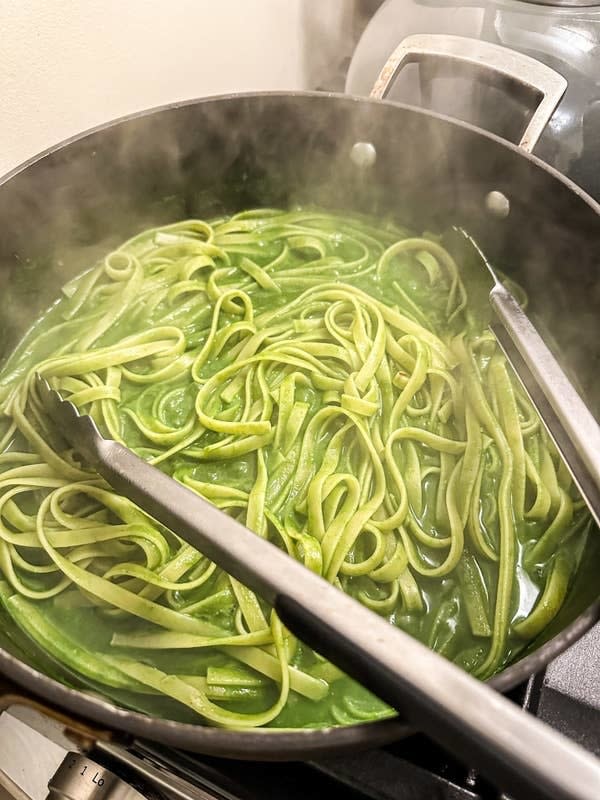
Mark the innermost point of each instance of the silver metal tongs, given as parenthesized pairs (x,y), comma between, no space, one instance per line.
(468,718)
(568,420)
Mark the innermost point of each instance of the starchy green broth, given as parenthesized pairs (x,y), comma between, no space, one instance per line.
(329,382)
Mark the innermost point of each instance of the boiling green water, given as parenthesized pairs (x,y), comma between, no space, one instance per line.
(429,490)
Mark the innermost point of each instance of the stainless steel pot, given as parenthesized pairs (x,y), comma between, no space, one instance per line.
(218,155)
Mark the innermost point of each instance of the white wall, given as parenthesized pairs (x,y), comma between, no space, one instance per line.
(66,65)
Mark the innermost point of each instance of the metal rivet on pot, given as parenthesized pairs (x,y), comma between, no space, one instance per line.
(497,204)
(363,154)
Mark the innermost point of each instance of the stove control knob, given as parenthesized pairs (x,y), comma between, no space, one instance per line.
(80,778)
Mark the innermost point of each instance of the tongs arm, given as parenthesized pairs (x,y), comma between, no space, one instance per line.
(468,718)
(567,418)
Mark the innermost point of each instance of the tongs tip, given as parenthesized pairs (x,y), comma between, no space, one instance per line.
(78,429)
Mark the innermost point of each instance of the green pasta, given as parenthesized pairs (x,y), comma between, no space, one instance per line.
(324,380)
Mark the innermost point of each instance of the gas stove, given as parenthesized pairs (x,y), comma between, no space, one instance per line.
(35,755)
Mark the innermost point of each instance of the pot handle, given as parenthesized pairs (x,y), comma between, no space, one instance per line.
(548,85)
